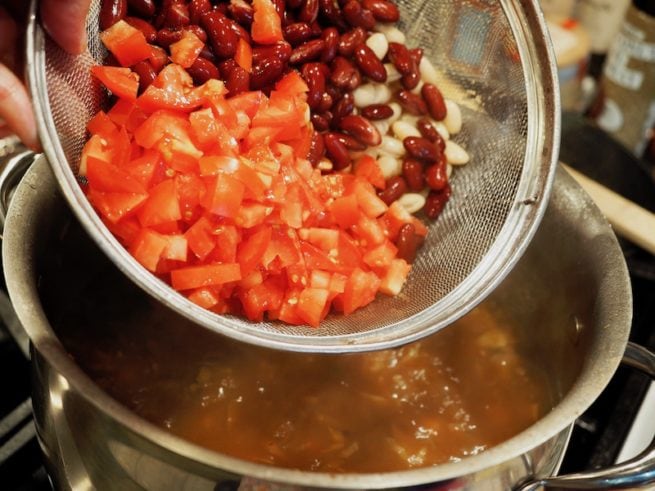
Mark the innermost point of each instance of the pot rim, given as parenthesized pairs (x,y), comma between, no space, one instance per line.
(31,197)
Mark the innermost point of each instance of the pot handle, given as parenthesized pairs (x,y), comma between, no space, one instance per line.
(636,472)
(15,159)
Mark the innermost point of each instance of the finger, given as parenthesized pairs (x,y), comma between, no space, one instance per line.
(64,20)
(16,108)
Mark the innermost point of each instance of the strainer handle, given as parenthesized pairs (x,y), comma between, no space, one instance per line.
(15,159)
(636,472)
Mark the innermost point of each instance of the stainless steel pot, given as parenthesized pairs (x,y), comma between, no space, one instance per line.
(571,292)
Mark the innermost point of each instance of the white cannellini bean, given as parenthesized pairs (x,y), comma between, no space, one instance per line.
(364,95)
(441,129)
(397,112)
(409,119)
(392,33)
(449,170)
(412,202)
(382,126)
(429,73)
(393,75)
(402,130)
(379,44)
(392,146)
(453,119)
(389,166)
(455,154)
(382,93)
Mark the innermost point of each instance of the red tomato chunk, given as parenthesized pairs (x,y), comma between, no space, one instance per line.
(216,197)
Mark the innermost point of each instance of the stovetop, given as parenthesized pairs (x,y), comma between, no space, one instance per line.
(599,434)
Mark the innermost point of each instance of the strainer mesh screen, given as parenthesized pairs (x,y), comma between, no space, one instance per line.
(475,51)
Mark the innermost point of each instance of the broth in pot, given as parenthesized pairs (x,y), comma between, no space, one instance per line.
(453,394)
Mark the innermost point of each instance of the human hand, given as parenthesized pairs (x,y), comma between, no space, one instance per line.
(64,21)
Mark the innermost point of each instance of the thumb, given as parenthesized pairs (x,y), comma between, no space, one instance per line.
(16,108)
(64,20)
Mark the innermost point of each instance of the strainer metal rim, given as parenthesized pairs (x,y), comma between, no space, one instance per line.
(543,106)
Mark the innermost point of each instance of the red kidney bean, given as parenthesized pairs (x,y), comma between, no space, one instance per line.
(395,188)
(412,103)
(427,129)
(369,63)
(177,15)
(198,31)
(111,11)
(146,74)
(330,38)
(408,242)
(435,102)
(297,33)
(320,122)
(421,149)
(375,112)
(361,129)
(309,11)
(241,32)
(416,54)
(436,201)
(307,51)
(221,34)
(336,151)
(314,75)
(168,36)
(294,4)
(326,102)
(197,8)
(242,12)
(357,16)
(436,176)
(266,72)
(351,143)
(399,55)
(316,149)
(332,12)
(203,70)
(350,39)
(410,80)
(144,8)
(343,107)
(334,92)
(383,10)
(280,7)
(237,80)
(207,54)
(344,74)
(413,174)
(281,50)
(146,28)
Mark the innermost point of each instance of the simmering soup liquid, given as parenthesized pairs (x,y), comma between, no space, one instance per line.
(451,395)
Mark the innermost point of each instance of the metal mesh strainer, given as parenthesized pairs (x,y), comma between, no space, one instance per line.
(495,61)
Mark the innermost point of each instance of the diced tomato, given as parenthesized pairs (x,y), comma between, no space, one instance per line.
(345,211)
(199,238)
(148,248)
(267,26)
(104,176)
(395,277)
(361,288)
(368,200)
(185,51)
(126,43)
(170,90)
(101,124)
(243,55)
(114,206)
(312,305)
(204,276)
(176,249)
(205,297)
(381,256)
(251,251)
(121,82)
(368,168)
(162,205)
(224,197)
(292,84)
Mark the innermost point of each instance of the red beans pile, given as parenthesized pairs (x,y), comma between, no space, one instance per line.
(326,41)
